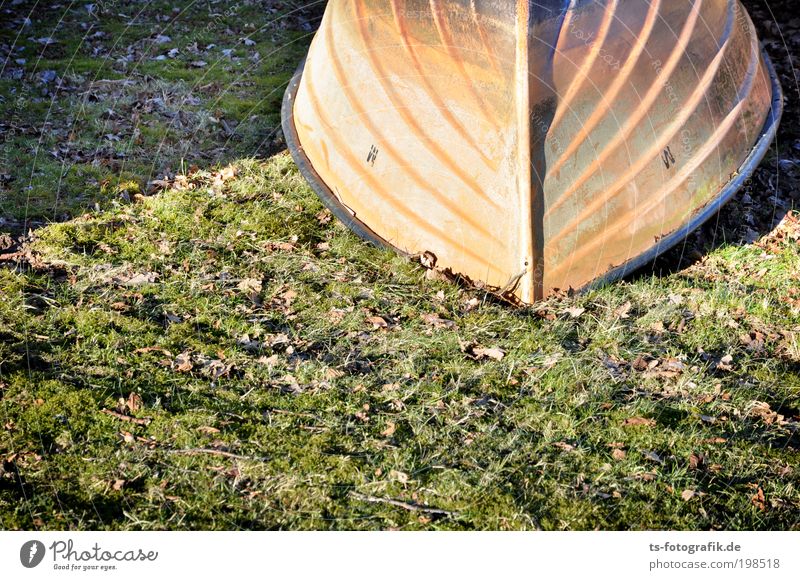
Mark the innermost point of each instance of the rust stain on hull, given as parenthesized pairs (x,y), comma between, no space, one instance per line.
(532,146)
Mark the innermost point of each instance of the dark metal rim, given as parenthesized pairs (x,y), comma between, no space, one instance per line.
(330,200)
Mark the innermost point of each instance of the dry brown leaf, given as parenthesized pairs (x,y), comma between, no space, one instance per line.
(437,322)
(640,363)
(248,285)
(428,259)
(623,311)
(398,476)
(653,456)
(138,279)
(183,362)
(471,304)
(269,361)
(725,363)
(764,412)
(153,349)
(639,421)
(227,173)
(575,312)
(492,353)
(696,461)
(688,494)
(377,321)
(288,297)
(134,402)
(759,500)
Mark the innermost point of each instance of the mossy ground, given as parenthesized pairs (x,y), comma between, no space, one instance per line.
(216,352)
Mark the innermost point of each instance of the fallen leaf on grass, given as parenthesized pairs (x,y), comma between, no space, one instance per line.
(473,351)
(269,361)
(676,299)
(153,349)
(714,441)
(138,279)
(398,476)
(754,341)
(227,173)
(215,368)
(324,217)
(427,259)
(619,454)
(763,411)
(492,353)
(725,363)
(759,500)
(471,304)
(281,246)
(575,312)
(623,311)
(437,322)
(653,456)
(248,344)
(688,494)
(697,461)
(642,363)
(669,367)
(639,421)
(248,285)
(183,362)
(134,402)
(377,321)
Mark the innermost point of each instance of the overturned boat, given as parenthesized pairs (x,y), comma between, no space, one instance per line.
(531,146)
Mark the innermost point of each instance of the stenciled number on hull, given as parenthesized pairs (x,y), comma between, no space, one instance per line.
(373,153)
(668,157)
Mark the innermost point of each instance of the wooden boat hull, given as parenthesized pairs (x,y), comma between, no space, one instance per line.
(531,146)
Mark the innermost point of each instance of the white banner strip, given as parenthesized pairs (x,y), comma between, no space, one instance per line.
(401,555)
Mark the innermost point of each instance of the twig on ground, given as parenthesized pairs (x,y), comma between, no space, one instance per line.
(203,450)
(402,504)
(122,417)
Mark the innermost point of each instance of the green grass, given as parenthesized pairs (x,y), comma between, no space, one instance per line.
(205,356)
